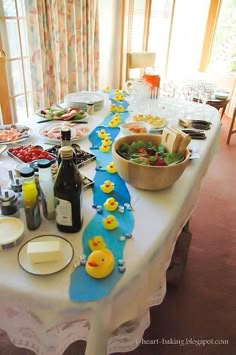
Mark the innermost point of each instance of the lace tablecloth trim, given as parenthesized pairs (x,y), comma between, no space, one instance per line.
(125,338)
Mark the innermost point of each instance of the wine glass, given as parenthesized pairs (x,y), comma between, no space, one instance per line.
(204,96)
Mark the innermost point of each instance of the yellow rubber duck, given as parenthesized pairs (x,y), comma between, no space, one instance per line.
(111,168)
(122,97)
(110,222)
(113,108)
(107,89)
(117,97)
(113,123)
(100,263)
(120,108)
(96,243)
(106,141)
(102,133)
(116,116)
(104,148)
(116,91)
(107,186)
(110,204)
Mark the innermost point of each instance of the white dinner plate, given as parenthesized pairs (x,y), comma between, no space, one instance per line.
(50,118)
(84,97)
(52,131)
(26,133)
(49,267)
(11,231)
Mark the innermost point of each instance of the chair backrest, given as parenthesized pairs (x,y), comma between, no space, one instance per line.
(139,60)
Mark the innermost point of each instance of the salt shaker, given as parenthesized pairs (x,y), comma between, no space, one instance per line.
(9,203)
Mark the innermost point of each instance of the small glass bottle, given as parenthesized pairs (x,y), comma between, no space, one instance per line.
(46,188)
(30,198)
(68,193)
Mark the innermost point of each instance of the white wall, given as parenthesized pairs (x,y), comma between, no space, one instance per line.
(110,33)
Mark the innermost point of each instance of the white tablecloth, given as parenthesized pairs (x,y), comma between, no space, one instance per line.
(37,313)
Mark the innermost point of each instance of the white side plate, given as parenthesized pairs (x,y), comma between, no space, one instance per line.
(50,267)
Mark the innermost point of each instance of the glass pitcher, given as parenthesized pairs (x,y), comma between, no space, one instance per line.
(152,77)
(137,89)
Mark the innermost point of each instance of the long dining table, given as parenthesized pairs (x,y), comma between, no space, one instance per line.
(36,311)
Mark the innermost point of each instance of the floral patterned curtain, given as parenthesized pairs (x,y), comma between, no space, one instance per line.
(64,48)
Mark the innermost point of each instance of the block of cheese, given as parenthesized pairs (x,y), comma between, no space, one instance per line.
(44,251)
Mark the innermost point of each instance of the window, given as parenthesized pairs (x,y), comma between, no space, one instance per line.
(175,32)
(223,54)
(13,39)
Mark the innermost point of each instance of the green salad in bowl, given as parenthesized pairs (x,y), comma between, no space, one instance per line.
(148,153)
(143,162)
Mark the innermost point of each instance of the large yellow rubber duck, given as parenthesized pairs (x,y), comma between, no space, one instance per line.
(100,263)
(110,204)
(96,243)
(107,186)
(110,168)
(110,222)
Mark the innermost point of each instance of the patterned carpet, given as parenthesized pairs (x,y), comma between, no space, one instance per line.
(202,309)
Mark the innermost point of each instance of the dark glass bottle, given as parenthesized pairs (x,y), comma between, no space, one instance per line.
(68,189)
(65,136)
(66,142)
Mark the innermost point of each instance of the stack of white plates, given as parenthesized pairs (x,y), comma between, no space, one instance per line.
(221,94)
(83,98)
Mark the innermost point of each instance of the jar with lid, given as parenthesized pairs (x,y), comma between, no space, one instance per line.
(30,198)
(46,188)
(68,193)
(9,203)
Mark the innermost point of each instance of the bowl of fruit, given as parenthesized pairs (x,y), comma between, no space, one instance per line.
(143,162)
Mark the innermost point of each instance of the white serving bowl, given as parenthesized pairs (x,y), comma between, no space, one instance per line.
(130,128)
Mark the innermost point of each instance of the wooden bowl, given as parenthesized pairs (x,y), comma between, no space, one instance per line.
(147,177)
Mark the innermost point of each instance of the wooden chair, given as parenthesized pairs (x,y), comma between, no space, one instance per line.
(231,129)
(139,60)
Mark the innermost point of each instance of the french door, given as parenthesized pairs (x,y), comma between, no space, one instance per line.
(16,92)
